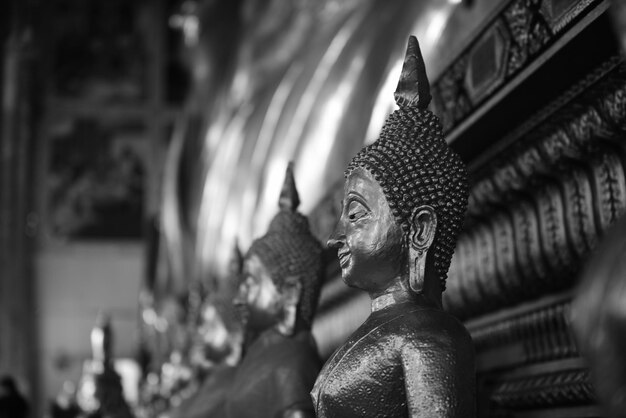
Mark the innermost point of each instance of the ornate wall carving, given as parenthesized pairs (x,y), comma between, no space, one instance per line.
(539,209)
(528,360)
(508,44)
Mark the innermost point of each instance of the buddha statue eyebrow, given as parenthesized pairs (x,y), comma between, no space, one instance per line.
(356,196)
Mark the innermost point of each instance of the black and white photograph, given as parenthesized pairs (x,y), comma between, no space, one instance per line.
(313,209)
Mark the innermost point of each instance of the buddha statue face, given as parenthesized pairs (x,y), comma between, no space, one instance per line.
(405,198)
(258,300)
(282,271)
(369,242)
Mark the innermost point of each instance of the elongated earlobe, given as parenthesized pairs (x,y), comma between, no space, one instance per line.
(423,228)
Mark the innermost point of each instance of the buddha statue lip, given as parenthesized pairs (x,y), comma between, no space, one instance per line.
(344,258)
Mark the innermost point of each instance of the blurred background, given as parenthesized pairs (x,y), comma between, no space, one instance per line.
(143,140)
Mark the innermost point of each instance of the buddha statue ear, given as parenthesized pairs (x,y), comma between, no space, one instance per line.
(421,236)
(291,291)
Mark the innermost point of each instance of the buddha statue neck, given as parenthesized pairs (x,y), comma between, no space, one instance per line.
(385,300)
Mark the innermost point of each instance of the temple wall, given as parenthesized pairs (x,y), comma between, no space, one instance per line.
(75,282)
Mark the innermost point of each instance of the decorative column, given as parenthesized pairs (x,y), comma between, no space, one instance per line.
(18,353)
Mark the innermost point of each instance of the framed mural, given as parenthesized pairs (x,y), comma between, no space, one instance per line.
(98,50)
(96,179)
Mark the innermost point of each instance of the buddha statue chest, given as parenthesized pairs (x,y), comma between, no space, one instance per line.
(275,376)
(399,348)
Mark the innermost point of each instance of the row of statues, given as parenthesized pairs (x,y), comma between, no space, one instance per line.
(403,208)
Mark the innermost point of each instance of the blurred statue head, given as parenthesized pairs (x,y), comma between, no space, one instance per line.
(282,270)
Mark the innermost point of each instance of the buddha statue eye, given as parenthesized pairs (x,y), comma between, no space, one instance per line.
(356,211)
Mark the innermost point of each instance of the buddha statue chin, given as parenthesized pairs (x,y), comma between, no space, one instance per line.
(277,300)
(403,206)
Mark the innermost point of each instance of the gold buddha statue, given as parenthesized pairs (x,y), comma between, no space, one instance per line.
(277,300)
(404,202)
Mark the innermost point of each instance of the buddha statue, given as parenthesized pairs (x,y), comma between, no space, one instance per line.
(217,348)
(404,201)
(277,300)
(100,391)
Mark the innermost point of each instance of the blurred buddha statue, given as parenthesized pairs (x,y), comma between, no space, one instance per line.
(277,300)
(598,313)
(404,202)
(216,350)
(175,372)
(100,392)
(65,405)
(599,319)
(219,334)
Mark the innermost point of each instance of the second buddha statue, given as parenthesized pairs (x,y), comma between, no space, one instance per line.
(278,297)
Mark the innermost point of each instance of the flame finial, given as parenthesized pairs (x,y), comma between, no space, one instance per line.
(289,198)
(413,88)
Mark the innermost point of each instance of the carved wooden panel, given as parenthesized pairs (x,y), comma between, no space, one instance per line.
(538,210)
(508,44)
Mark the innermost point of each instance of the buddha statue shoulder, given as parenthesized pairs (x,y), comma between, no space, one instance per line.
(404,202)
(277,301)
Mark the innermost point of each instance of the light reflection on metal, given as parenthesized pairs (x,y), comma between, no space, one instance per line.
(187,21)
(263,143)
(436,25)
(286,145)
(170,217)
(333,115)
(312,95)
(383,105)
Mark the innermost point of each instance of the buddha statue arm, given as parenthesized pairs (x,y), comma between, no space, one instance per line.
(431,382)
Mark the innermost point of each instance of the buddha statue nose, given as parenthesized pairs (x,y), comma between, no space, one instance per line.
(337,238)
